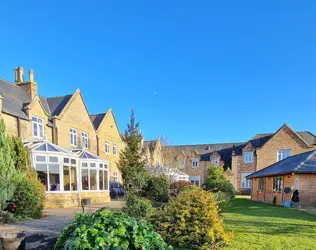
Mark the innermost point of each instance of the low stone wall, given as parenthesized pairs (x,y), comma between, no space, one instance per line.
(65,200)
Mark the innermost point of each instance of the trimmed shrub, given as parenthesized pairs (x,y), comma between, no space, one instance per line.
(157,189)
(138,207)
(179,185)
(109,230)
(222,199)
(220,186)
(191,220)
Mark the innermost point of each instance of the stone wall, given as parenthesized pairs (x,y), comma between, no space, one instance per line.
(108,130)
(76,116)
(65,200)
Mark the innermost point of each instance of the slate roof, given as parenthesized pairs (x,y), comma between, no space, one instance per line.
(201,148)
(97,119)
(301,163)
(57,104)
(14,99)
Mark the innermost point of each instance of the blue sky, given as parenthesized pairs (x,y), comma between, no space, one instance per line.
(195,71)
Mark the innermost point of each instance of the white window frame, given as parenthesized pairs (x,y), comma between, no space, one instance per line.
(283,154)
(195,162)
(107,147)
(85,140)
(115,176)
(244,182)
(73,137)
(114,148)
(215,161)
(97,168)
(195,180)
(248,157)
(39,125)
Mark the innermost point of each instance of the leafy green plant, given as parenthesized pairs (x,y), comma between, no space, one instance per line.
(216,182)
(222,199)
(29,196)
(157,188)
(138,207)
(109,230)
(191,220)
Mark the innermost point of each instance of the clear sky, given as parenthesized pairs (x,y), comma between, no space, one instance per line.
(195,71)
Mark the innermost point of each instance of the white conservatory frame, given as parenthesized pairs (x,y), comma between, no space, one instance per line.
(44,148)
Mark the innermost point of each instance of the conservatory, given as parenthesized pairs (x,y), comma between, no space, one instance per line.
(69,175)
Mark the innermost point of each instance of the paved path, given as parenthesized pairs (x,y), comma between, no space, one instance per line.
(42,233)
(309,209)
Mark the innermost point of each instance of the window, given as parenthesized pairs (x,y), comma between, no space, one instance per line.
(277,184)
(115,176)
(248,158)
(215,161)
(195,163)
(261,185)
(107,147)
(245,183)
(38,127)
(70,174)
(283,153)
(84,139)
(195,180)
(48,171)
(103,177)
(73,137)
(94,176)
(114,148)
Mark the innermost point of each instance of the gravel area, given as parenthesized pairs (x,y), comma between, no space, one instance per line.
(42,233)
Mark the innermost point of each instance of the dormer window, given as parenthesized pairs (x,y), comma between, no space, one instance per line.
(215,161)
(248,157)
(195,163)
(38,127)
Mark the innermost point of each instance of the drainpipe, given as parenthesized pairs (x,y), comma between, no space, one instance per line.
(19,126)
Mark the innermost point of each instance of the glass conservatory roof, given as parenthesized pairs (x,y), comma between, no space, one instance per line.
(45,146)
(83,154)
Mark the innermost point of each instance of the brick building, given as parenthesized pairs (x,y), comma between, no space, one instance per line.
(296,172)
(261,151)
(74,153)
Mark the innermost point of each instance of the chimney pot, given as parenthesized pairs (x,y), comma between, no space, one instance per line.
(19,74)
(31,75)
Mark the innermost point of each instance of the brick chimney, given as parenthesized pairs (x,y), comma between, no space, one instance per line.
(28,86)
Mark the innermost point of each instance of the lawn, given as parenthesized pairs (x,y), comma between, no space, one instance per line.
(261,226)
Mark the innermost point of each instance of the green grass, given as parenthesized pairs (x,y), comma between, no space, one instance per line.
(262,226)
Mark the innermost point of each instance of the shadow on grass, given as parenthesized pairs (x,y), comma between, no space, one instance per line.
(244,206)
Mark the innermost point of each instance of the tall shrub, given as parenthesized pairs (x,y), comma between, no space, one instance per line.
(131,163)
(191,221)
(157,188)
(29,191)
(7,169)
(216,182)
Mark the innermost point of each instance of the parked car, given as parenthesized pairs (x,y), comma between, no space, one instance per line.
(116,190)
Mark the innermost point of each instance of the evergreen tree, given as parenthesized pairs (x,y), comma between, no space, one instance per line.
(7,168)
(131,163)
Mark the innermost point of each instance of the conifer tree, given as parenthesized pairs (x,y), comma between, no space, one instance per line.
(131,163)
(7,168)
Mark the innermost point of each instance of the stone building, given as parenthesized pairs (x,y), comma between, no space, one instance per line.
(74,153)
(261,151)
